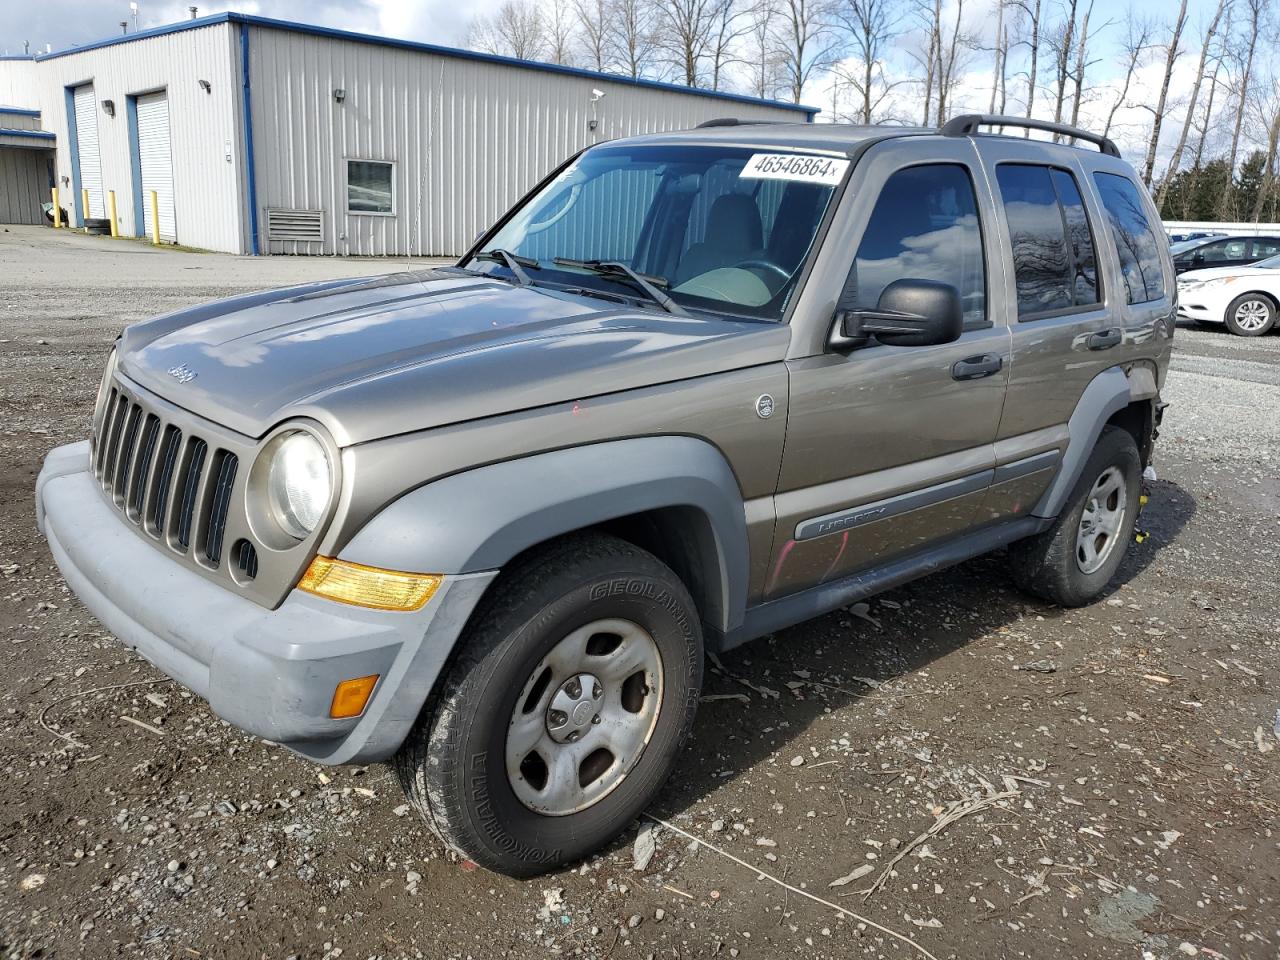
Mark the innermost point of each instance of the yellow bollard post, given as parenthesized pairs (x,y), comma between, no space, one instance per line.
(111,212)
(57,211)
(84,206)
(155,218)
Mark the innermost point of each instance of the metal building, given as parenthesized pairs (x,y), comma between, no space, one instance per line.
(264,136)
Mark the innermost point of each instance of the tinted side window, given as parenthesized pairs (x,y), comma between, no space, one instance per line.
(1265,247)
(1053,259)
(925,227)
(1041,264)
(1135,241)
(1079,238)
(1224,251)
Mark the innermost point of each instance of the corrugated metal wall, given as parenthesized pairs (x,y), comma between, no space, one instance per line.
(24,178)
(468,137)
(208,197)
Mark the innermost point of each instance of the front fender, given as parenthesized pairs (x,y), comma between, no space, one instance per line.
(480,519)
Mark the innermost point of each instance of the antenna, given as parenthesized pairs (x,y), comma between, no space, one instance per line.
(133,7)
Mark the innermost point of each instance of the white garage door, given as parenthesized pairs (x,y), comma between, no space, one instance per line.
(87,150)
(156,162)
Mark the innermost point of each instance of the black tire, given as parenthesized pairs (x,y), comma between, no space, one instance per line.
(1260,303)
(1048,565)
(453,764)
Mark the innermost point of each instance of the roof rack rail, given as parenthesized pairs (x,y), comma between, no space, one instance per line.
(966,125)
(734,122)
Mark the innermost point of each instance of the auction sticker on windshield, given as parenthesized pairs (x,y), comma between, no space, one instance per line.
(795,166)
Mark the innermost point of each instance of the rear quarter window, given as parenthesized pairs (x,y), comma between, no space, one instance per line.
(1135,241)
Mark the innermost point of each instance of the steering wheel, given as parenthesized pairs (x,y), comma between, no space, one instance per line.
(768,265)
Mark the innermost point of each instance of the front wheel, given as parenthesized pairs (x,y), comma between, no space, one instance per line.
(1072,562)
(1250,315)
(564,710)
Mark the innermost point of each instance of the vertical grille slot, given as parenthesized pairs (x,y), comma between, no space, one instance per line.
(141,474)
(189,482)
(112,421)
(225,464)
(124,457)
(170,446)
(246,558)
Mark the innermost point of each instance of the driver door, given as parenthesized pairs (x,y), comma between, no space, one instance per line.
(890,449)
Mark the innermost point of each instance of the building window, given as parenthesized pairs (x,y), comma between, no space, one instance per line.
(371,187)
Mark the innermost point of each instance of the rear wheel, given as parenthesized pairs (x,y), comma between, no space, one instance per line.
(1072,562)
(1250,315)
(564,710)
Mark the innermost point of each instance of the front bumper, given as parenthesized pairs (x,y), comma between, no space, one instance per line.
(1192,307)
(271,673)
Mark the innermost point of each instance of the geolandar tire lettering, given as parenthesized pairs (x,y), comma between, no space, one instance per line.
(564,709)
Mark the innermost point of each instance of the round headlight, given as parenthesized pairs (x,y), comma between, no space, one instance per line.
(299,483)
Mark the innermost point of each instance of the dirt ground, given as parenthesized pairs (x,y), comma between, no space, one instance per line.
(1026,781)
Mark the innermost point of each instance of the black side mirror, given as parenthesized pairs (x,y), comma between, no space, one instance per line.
(1197,258)
(910,313)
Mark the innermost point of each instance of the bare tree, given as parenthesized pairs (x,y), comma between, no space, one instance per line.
(561,34)
(728,26)
(1061,41)
(1270,114)
(1176,160)
(872,26)
(633,38)
(929,12)
(683,35)
(1001,56)
(804,42)
(760,52)
(1032,10)
(1172,50)
(515,29)
(1082,63)
(1257,14)
(595,19)
(1136,45)
(951,61)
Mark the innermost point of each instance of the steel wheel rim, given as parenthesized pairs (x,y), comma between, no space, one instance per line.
(1102,520)
(1252,315)
(584,717)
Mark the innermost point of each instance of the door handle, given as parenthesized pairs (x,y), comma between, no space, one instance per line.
(975,368)
(1106,339)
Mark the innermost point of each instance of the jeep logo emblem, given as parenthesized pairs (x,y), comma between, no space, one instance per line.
(764,406)
(182,373)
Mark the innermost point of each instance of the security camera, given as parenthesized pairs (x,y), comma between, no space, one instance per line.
(597,94)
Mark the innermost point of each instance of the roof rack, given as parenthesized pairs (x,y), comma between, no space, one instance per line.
(734,122)
(966,125)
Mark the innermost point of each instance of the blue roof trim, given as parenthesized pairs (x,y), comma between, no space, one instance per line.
(30,134)
(19,112)
(18,56)
(354,37)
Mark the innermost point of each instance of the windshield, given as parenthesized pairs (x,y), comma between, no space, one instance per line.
(717,229)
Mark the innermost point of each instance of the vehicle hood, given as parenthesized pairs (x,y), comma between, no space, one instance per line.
(1214,273)
(382,356)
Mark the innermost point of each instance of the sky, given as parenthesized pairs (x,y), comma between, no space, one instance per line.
(64,23)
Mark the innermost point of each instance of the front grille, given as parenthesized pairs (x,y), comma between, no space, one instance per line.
(172,484)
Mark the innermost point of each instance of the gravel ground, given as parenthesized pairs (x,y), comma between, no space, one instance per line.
(1009,779)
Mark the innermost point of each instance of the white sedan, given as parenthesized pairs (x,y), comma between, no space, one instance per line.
(1246,299)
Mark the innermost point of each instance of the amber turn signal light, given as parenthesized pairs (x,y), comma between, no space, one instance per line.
(372,587)
(350,697)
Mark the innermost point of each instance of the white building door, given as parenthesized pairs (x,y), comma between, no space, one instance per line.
(90,162)
(156,162)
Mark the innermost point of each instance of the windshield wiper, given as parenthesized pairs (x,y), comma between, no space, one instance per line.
(613,269)
(512,261)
